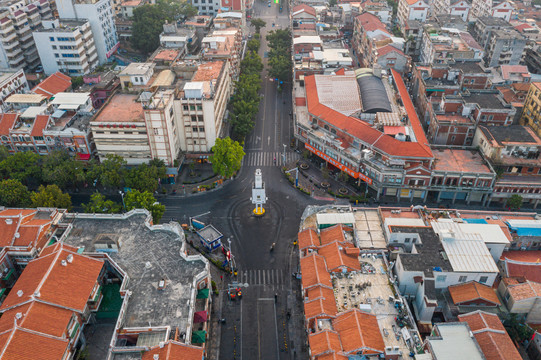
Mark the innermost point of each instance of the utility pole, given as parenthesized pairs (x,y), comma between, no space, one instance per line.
(284,153)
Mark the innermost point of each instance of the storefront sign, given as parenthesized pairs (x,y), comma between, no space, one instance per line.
(355,174)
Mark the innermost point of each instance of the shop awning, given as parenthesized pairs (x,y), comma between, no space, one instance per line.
(199,337)
(203,294)
(200,317)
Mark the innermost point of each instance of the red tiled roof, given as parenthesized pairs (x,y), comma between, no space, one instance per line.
(40,123)
(174,350)
(39,317)
(19,228)
(53,84)
(491,336)
(308,238)
(523,26)
(371,22)
(21,344)
(363,131)
(332,234)
(413,2)
(507,70)
(384,50)
(6,122)
(336,257)
(359,332)
(471,291)
(525,290)
(320,302)
(324,342)
(314,271)
(525,264)
(307,9)
(46,279)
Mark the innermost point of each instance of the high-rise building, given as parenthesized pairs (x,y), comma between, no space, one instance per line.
(66,46)
(100,15)
(17,21)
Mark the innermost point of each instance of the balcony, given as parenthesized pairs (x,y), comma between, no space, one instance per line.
(9,37)
(14,52)
(11,45)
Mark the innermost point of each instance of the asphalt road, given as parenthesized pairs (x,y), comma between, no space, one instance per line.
(257,326)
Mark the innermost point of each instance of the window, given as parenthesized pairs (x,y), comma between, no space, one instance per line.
(156,131)
(201,129)
(38,138)
(194,129)
(54,47)
(199,107)
(407,240)
(56,55)
(441,278)
(51,38)
(483,279)
(462,279)
(185,107)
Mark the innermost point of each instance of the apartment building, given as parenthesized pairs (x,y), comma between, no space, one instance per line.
(119,128)
(412,10)
(201,107)
(493,8)
(374,44)
(208,7)
(136,74)
(224,44)
(379,8)
(100,15)
(17,21)
(505,47)
(161,124)
(66,46)
(514,152)
(531,114)
(459,8)
(12,83)
(443,45)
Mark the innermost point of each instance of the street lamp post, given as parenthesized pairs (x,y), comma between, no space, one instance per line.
(122,195)
(284,154)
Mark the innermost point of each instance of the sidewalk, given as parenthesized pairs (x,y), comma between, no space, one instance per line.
(194,179)
(314,182)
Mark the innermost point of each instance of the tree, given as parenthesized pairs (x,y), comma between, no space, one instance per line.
(226,157)
(332,3)
(110,172)
(145,176)
(253,45)
(514,202)
(279,42)
(76,82)
(50,196)
(21,166)
(135,199)
(258,24)
(61,169)
(4,153)
(98,204)
(148,22)
(14,194)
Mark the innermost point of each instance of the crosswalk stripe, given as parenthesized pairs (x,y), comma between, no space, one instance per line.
(268,158)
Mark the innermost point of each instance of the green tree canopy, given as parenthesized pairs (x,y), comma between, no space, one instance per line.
(514,202)
(135,199)
(4,153)
(145,176)
(21,166)
(51,196)
(148,22)
(258,24)
(279,42)
(226,157)
(253,45)
(110,172)
(63,170)
(99,204)
(14,194)
(77,81)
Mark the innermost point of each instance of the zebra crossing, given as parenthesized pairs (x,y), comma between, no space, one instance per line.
(270,277)
(267,158)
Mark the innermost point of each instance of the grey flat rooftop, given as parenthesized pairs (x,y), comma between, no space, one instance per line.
(428,254)
(468,67)
(493,21)
(485,100)
(147,256)
(455,342)
(209,233)
(507,134)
